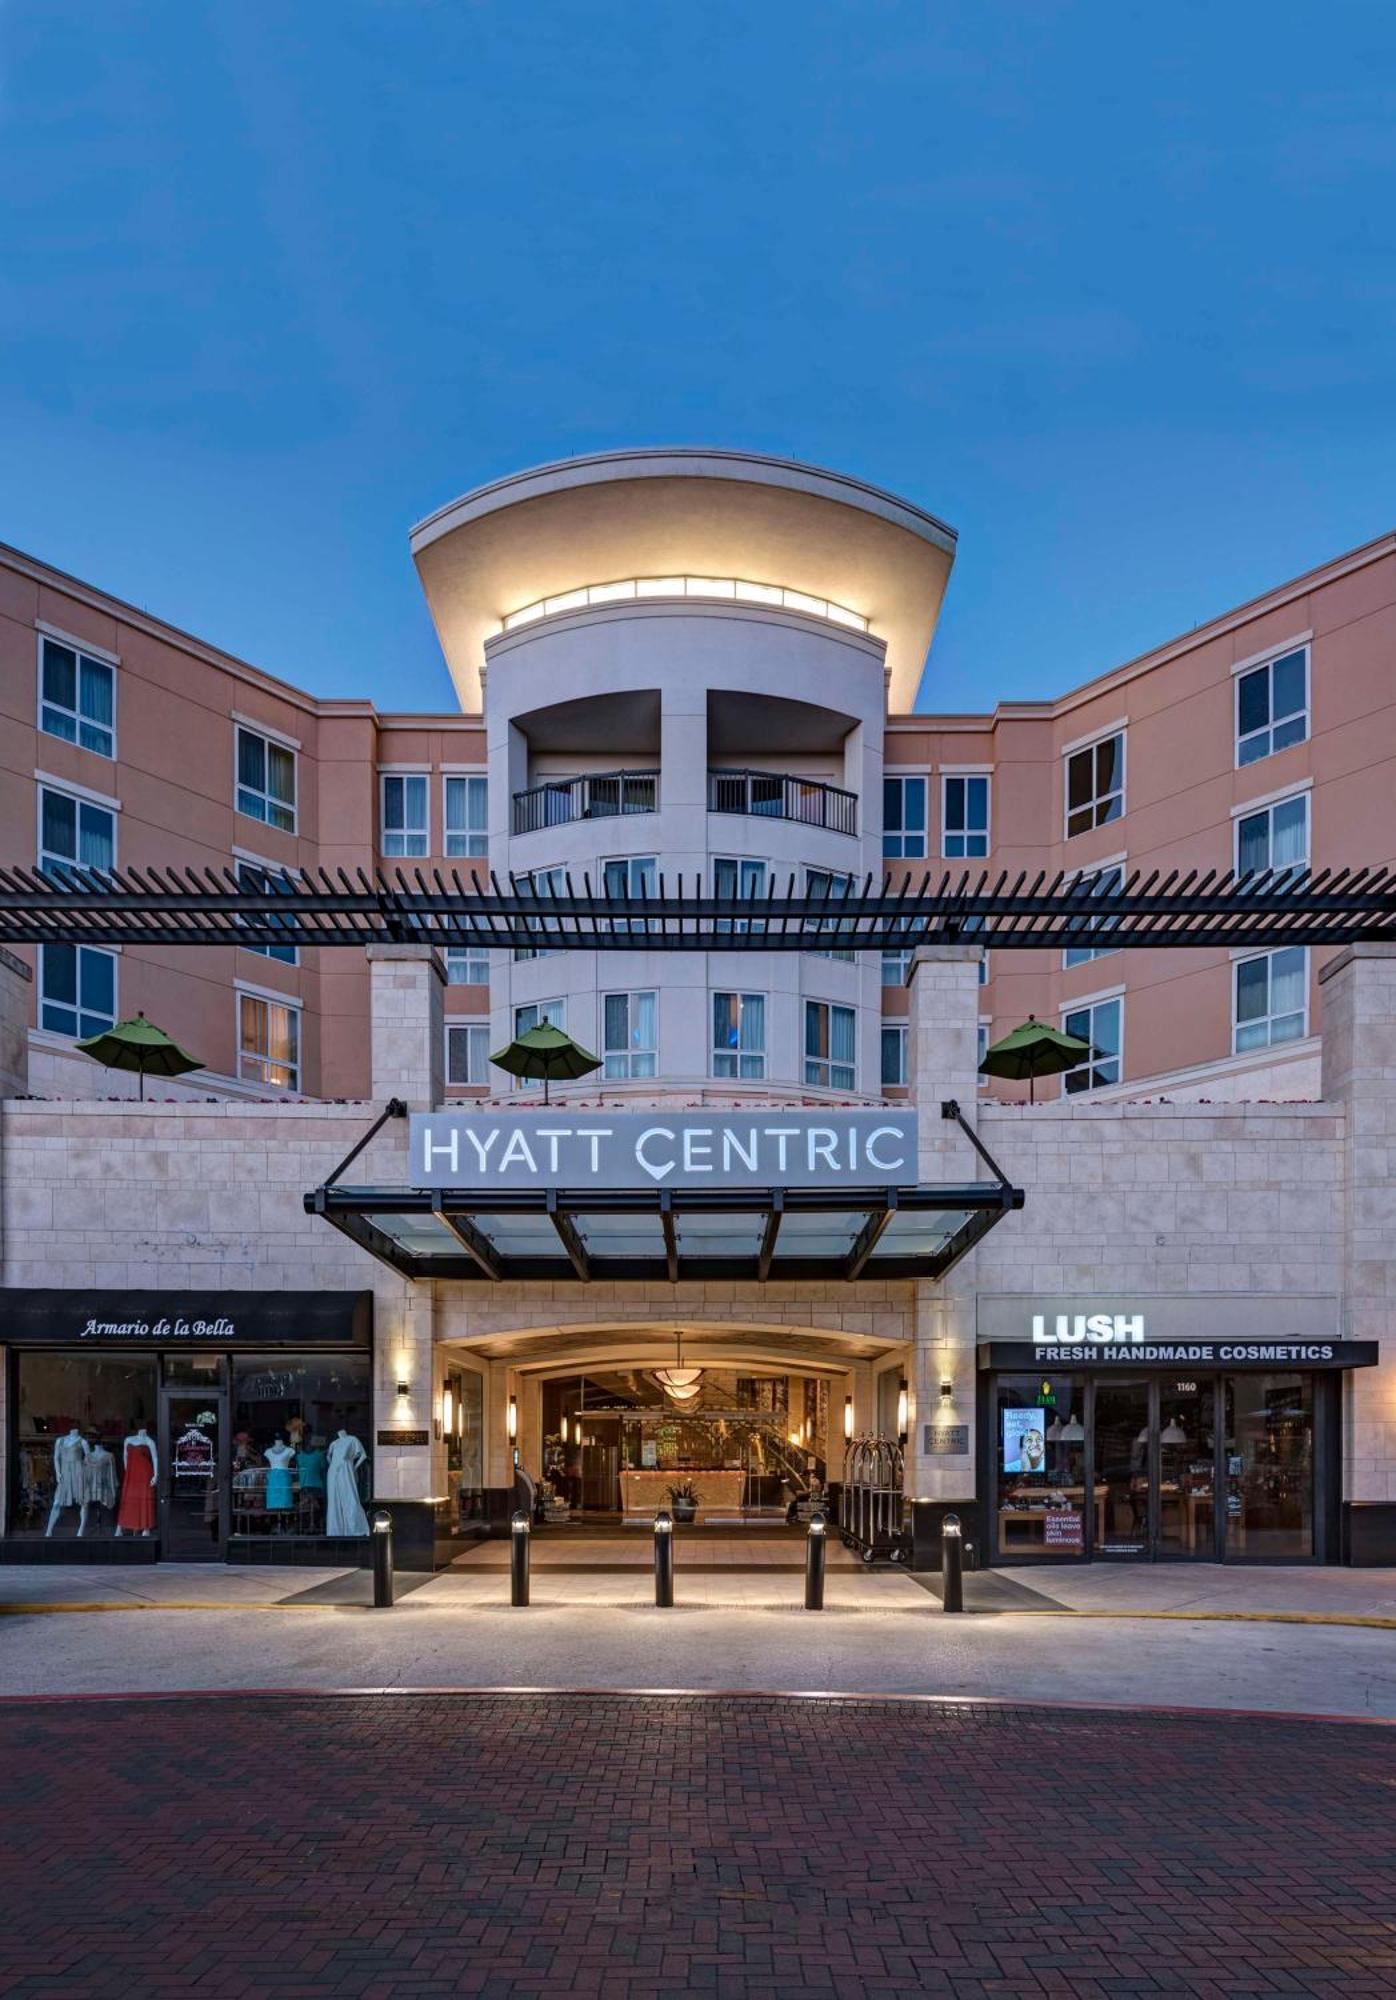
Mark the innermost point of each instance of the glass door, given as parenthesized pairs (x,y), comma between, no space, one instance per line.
(193,1474)
(1187,1464)
(1123,1469)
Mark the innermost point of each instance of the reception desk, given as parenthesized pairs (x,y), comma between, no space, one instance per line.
(642,1494)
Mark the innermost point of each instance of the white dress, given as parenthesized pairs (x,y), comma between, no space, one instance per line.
(69,1459)
(99,1477)
(344,1515)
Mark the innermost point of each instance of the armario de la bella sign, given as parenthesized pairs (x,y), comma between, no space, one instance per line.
(629,1149)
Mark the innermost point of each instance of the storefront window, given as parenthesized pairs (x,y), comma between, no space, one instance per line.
(291,1471)
(85,1452)
(1187,1521)
(1040,1440)
(1269,1466)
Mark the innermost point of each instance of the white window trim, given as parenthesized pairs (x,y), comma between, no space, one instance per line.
(1120,861)
(77,791)
(80,795)
(1093,999)
(47,631)
(457,770)
(449,832)
(103,658)
(292,831)
(549,1000)
(1121,730)
(1243,956)
(741,993)
(899,1024)
(1097,1000)
(1268,806)
(266,729)
(59,1038)
(282,999)
(1272,652)
(1120,727)
(926,771)
(243,857)
(1272,798)
(449,952)
(1263,660)
(988,778)
(808,1000)
(461,1021)
(386,771)
(966,770)
(627,993)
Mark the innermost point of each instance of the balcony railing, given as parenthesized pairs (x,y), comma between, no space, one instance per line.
(598,795)
(775,795)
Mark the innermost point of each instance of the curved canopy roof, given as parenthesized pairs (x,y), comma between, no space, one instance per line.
(682,511)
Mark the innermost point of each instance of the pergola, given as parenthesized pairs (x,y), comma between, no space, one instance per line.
(340,908)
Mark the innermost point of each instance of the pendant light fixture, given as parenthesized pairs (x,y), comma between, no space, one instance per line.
(680,1384)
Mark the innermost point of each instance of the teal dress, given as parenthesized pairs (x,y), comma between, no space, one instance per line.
(312,1471)
(279,1486)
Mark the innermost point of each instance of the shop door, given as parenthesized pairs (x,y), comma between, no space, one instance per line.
(1155,1470)
(193,1474)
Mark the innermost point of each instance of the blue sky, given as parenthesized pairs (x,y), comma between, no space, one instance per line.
(1109,287)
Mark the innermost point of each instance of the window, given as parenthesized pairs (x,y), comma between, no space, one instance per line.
(404,814)
(895,967)
(468,965)
(467,824)
(823,882)
(983,968)
(982,1048)
(538,1012)
(1095,785)
(467,1052)
(269,1041)
(630,1034)
(1101,882)
(77,989)
(77,698)
(965,834)
(829,1045)
(904,818)
(269,882)
(1274,836)
(1272,998)
(1272,706)
(893,1053)
(739,1034)
(1102,1025)
(543,882)
(74,833)
(637,875)
(266,780)
(108,1396)
(740,878)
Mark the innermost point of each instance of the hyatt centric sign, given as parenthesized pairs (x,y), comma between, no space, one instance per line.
(636,1149)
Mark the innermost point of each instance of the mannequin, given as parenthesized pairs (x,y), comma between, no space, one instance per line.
(140,1465)
(280,1458)
(69,1465)
(345,1514)
(310,1465)
(98,1481)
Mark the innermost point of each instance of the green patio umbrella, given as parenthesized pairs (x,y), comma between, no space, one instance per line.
(1034,1050)
(546,1052)
(139,1045)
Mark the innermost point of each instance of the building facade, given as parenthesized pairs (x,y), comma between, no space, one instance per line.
(701,667)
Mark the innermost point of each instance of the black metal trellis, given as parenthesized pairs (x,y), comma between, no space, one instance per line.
(338,908)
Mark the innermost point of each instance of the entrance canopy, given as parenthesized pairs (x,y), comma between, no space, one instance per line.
(667,1235)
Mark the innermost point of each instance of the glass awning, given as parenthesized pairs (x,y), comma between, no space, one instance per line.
(747,1235)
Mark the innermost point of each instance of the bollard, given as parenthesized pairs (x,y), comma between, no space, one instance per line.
(519,1535)
(816,1543)
(663,1560)
(952,1565)
(382,1561)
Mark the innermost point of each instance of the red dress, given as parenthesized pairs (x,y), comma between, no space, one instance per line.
(137,1510)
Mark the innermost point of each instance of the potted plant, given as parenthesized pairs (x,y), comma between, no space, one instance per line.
(684,1500)
(555,1505)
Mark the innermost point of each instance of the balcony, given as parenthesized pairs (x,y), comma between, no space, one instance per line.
(599,795)
(775,795)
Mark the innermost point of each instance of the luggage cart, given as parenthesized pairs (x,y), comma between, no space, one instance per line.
(871,1506)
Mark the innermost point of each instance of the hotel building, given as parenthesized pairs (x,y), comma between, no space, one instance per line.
(703,667)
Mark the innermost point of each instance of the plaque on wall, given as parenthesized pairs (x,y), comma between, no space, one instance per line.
(403,1437)
(945,1440)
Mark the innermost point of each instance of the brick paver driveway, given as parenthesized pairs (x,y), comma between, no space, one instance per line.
(511,1846)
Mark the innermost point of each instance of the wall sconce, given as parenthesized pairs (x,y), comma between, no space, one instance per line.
(902,1411)
(564,1430)
(447,1409)
(947,1389)
(848,1417)
(404,1387)
(511,1421)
